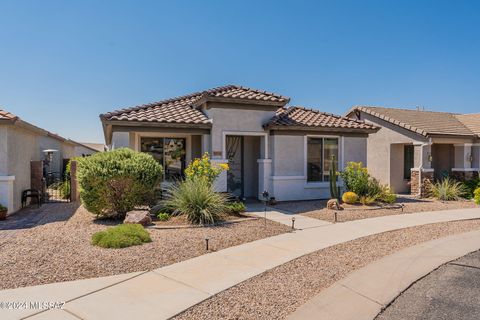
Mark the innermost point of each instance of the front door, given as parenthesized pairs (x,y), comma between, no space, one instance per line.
(443,160)
(235,176)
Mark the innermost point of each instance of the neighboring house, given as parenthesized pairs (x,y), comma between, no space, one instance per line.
(20,144)
(286,151)
(414,145)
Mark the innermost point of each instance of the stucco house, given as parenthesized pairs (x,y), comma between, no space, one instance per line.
(22,143)
(286,151)
(414,145)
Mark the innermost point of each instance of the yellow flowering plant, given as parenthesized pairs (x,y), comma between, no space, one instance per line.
(205,169)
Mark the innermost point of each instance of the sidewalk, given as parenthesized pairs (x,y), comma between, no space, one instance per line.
(369,290)
(167,291)
(300,222)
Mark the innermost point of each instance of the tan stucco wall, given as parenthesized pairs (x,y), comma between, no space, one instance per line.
(379,151)
(231,119)
(287,153)
(22,148)
(3,150)
(355,150)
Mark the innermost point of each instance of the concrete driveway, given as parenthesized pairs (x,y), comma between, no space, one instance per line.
(450,292)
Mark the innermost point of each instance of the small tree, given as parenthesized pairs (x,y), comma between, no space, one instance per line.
(115,182)
(203,168)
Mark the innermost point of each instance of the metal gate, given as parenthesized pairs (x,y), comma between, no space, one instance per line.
(57,187)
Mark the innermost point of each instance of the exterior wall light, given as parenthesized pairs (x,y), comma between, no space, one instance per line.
(470,158)
(430,157)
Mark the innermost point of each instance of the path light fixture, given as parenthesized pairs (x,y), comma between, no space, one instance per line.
(293,222)
(206,244)
(266,199)
(335,216)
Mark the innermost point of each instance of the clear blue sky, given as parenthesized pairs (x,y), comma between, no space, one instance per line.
(62,63)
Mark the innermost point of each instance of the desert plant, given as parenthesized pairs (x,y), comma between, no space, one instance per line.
(447,190)
(334,194)
(196,199)
(203,168)
(114,182)
(380,192)
(163,216)
(356,178)
(367,200)
(235,208)
(121,236)
(476,196)
(350,197)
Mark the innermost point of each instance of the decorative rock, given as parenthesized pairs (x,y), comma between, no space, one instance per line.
(333,204)
(141,217)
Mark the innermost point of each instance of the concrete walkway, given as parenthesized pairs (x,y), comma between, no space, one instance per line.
(284,217)
(365,292)
(167,291)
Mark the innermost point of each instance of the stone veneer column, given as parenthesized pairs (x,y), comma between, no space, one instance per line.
(420,179)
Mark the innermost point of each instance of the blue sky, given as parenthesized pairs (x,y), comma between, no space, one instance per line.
(62,63)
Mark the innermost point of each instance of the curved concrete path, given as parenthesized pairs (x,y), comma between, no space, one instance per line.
(366,292)
(167,291)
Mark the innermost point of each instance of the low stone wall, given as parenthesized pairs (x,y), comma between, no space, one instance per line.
(419,182)
(465,175)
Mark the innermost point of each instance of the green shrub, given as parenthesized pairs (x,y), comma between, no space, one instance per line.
(470,186)
(447,190)
(477,195)
(356,178)
(380,192)
(115,182)
(163,216)
(3,208)
(196,199)
(235,208)
(121,236)
(350,197)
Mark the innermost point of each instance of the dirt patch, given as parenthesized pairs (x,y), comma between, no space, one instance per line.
(59,248)
(317,208)
(278,292)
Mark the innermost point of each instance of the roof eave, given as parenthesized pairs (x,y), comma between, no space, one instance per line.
(325,129)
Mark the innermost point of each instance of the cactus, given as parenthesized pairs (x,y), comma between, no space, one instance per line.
(334,193)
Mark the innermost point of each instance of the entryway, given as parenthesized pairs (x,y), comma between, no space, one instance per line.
(242,177)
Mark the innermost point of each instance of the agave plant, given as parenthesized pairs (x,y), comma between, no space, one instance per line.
(196,199)
(447,190)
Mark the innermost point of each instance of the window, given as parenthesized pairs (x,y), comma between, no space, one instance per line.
(320,153)
(169,152)
(408,153)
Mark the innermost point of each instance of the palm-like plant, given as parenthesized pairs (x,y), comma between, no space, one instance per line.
(447,190)
(196,199)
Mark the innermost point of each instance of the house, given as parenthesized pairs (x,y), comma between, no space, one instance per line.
(414,145)
(287,151)
(24,146)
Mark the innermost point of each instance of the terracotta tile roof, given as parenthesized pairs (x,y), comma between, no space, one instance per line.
(5,115)
(471,121)
(299,117)
(422,122)
(184,109)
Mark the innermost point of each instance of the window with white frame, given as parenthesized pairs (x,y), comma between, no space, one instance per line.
(321,154)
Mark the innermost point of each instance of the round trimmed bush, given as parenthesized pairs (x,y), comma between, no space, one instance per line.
(115,182)
(350,197)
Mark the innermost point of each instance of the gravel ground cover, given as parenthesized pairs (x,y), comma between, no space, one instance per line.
(317,208)
(280,291)
(59,248)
